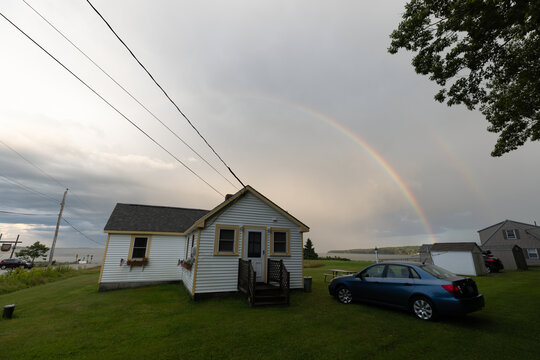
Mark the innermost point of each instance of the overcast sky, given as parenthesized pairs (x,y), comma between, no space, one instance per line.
(300,98)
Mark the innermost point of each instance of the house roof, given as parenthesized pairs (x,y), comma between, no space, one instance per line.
(505,221)
(132,218)
(455,246)
(531,231)
(152,219)
(231,199)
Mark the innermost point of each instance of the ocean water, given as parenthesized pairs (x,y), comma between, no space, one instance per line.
(95,255)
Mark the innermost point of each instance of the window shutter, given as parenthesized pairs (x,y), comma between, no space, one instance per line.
(504,234)
(517,233)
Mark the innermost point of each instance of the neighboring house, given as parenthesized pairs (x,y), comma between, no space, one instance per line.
(508,233)
(511,256)
(201,248)
(463,258)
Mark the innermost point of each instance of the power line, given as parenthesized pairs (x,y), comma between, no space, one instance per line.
(26,214)
(42,171)
(112,106)
(31,163)
(164,92)
(29,189)
(127,92)
(38,193)
(80,232)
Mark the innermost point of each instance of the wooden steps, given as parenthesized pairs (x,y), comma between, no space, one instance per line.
(266,295)
(274,292)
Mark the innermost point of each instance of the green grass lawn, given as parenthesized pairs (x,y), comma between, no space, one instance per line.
(70,319)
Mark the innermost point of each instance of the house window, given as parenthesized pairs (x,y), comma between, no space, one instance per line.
(139,247)
(510,234)
(226,242)
(532,253)
(280,242)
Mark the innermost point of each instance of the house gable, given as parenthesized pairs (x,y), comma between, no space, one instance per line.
(524,235)
(201,223)
(217,273)
(509,233)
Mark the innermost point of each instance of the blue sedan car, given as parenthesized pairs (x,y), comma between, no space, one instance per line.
(426,290)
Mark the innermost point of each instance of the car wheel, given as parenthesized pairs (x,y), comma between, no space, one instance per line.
(3,267)
(344,295)
(423,308)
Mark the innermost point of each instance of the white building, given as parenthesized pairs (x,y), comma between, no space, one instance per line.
(463,258)
(205,249)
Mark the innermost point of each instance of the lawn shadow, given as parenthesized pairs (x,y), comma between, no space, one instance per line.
(470,321)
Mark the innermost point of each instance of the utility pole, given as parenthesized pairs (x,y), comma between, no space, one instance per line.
(14,246)
(51,254)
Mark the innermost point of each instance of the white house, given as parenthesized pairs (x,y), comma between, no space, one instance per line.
(463,258)
(205,249)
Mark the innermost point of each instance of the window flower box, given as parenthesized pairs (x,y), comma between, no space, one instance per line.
(138,262)
(186,264)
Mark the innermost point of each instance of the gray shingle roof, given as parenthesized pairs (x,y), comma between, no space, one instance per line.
(131,217)
(455,246)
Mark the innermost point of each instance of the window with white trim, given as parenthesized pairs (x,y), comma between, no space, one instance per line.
(510,234)
(532,254)
(280,242)
(140,245)
(226,242)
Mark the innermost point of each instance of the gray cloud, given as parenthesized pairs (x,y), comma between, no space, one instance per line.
(302,100)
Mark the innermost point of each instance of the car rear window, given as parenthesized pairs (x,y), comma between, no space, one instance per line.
(374,271)
(436,271)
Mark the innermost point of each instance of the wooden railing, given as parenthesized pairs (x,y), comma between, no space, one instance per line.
(246,279)
(278,275)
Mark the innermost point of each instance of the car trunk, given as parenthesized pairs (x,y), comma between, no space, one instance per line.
(467,288)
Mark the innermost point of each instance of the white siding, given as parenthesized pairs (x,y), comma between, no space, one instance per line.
(187,275)
(220,273)
(165,251)
(458,262)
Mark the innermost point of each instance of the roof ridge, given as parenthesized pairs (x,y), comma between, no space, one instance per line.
(162,206)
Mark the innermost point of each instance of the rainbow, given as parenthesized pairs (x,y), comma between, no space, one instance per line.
(460,167)
(369,149)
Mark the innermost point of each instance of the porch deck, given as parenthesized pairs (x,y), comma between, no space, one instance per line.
(274,292)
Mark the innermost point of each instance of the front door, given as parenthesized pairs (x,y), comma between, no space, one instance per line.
(255,252)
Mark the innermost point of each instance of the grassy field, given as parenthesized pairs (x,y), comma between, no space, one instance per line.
(70,319)
(17,279)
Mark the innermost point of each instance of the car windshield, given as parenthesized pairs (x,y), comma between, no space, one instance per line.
(436,271)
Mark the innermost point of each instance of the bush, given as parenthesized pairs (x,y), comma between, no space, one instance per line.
(21,278)
(312,263)
(334,258)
